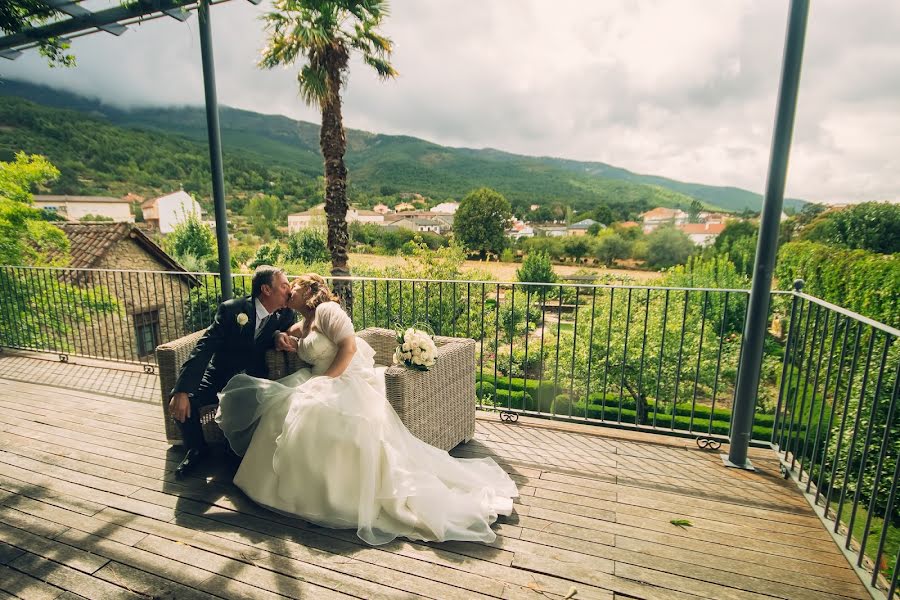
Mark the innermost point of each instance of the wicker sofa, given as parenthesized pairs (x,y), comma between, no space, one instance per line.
(437,406)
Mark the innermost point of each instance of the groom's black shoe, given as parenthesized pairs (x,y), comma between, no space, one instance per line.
(190,462)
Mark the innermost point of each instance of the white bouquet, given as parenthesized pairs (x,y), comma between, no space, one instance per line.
(415,349)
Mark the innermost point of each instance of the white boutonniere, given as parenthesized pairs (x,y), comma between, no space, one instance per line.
(242,319)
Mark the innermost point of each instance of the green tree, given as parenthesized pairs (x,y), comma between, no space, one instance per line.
(536,268)
(542,214)
(737,244)
(694,211)
(578,246)
(308,246)
(481,221)
(265,213)
(267,254)
(872,226)
(32,314)
(604,214)
(611,247)
(191,238)
(667,247)
(861,281)
(26,237)
(322,33)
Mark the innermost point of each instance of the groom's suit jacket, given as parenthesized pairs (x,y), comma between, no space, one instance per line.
(228,348)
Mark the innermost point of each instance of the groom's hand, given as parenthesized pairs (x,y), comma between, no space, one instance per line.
(180,406)
(285,342)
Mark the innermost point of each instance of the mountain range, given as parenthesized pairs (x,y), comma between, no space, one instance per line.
(103,149)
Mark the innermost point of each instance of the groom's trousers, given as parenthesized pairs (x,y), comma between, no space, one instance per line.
(206,394)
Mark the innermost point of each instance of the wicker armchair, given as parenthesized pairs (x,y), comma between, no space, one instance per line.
(169,358)
(437,406)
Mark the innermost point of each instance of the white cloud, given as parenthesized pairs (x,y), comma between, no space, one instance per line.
(680,88)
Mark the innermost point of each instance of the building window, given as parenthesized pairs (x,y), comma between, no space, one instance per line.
(146,332)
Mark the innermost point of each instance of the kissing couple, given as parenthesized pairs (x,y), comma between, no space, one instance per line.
(324,443)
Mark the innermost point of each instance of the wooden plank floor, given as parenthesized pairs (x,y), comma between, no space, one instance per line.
(89,509)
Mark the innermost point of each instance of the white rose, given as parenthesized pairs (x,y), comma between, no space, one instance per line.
(407,355)
(405,346)
(409,333)
(242,319)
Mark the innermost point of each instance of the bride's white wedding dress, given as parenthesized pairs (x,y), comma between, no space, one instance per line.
(333,451)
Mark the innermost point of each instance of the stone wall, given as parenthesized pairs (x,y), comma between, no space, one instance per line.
(163,295)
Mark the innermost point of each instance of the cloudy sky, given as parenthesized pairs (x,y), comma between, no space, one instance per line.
(680,88)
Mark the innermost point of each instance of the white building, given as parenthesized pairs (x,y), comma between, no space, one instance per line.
(407,220)
(702,234)
(550,230)
(447,208)
(166,212)
(315,217)
(74,208)
(663,216)
(520,230)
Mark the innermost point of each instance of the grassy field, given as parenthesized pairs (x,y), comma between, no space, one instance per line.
(506,271)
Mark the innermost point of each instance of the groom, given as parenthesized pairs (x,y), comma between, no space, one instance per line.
(237,340)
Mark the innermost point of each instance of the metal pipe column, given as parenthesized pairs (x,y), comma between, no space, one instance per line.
(215,150)
(767,244)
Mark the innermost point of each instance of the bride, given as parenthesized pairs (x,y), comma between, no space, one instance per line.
(324,444)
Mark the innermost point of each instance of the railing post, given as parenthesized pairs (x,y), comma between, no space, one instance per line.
(767,244)
(215,149)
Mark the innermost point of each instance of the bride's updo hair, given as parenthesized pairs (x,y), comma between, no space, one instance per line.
(319,290)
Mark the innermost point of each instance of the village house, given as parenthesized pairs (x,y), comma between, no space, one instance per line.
(702,234)
(150,288)
(165,213)
(550,230)
(447,208)
(582,227)
(76,208)
(407,220)
(653,219)
(315,217)
(519,230)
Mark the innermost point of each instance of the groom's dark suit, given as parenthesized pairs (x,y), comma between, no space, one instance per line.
(226,349)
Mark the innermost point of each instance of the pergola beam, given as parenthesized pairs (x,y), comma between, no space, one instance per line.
(83,21)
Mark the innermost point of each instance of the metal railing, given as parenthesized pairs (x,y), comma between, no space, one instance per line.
(641,357)
(662,359)
(837,428)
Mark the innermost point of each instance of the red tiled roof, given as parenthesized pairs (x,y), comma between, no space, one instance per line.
(704,228)
(660,213)
(89,242)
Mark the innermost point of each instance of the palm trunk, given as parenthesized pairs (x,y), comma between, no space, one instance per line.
(334,144)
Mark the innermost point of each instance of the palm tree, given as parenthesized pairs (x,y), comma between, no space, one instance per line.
(323,33)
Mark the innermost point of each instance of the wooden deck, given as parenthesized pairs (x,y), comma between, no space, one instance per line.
(89,508)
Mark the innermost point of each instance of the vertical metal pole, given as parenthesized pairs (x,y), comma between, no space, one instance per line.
(215,150)
(767,244)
